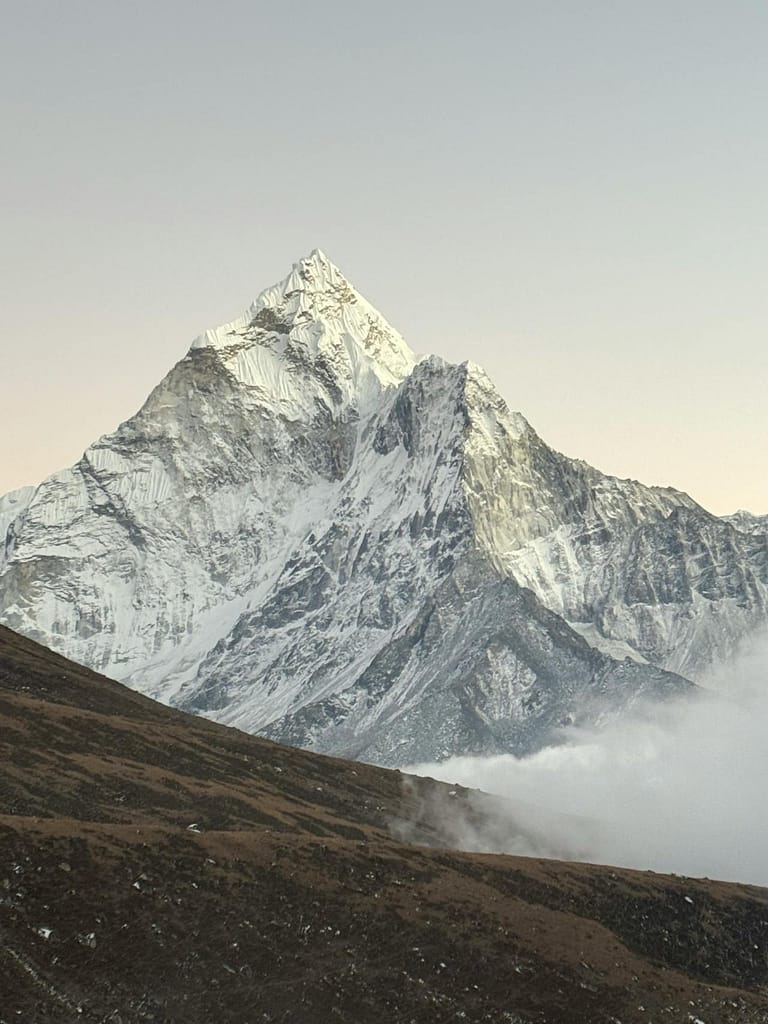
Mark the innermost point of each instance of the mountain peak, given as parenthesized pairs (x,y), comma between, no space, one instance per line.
(318,258)
(284,540)
(316,272)
(315,308)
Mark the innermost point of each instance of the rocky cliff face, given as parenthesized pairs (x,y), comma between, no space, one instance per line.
(308,532)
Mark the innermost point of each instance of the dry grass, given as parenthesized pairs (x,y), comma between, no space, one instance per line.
(294,903)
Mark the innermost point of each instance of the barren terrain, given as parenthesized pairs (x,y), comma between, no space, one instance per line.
(159,867)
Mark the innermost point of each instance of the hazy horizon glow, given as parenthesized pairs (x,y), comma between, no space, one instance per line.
(572,196)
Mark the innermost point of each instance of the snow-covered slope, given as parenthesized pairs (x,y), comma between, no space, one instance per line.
(642,572)
(142,555)
(306,531)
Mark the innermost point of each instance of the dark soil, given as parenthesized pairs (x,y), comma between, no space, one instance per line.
(290,900)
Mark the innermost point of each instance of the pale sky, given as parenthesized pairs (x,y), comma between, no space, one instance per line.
(572,194)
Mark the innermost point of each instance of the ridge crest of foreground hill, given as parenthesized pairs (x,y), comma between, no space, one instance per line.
(158,867)
(308,533)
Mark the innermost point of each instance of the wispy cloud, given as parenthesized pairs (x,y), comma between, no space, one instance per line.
(679,787)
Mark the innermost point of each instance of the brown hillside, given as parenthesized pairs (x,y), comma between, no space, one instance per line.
(159,867)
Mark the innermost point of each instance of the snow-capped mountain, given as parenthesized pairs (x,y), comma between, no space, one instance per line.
(310,533)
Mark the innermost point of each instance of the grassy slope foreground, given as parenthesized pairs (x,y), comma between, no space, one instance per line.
(158,867)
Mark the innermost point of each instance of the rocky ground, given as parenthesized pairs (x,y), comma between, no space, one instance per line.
(159,867)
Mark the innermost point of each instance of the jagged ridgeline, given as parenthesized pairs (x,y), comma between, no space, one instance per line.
(310,533)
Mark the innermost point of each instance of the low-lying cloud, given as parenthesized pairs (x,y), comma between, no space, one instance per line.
(679,787)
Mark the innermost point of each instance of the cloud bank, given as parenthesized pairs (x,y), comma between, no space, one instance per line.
(679,787)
